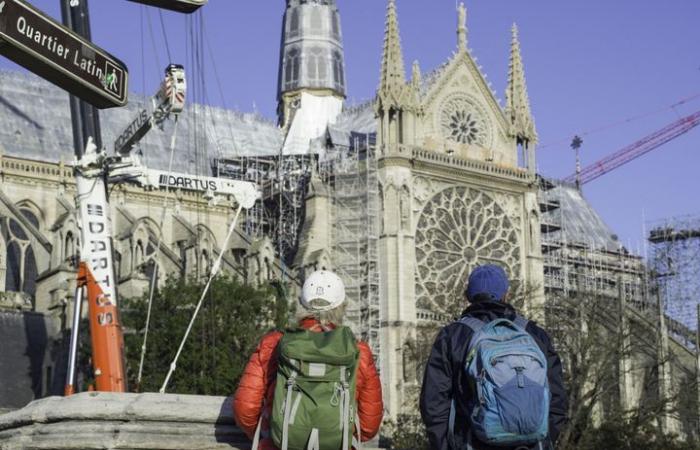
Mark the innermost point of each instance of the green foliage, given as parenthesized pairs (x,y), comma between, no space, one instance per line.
(623,435)
(406,433)
(232,319)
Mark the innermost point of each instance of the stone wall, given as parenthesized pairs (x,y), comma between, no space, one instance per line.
(32,362)
(102,420)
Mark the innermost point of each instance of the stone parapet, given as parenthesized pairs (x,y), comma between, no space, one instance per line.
(100,420)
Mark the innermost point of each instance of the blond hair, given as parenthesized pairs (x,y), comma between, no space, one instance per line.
(333,316)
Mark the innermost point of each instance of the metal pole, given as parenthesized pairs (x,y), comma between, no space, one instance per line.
(697,368)
(105,329)
(663,363)
(576,145)
(74,333)
(85,118)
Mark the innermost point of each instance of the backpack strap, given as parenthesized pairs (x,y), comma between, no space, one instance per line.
(521,321)
(256,438)
(451,424)
(357,444)
(344,407)
(288,410)
(473,323)
(314,441)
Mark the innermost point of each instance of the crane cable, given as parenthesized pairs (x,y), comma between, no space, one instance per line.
(154,273)
(625,121)
(165,35)
(153,38)
(214,270)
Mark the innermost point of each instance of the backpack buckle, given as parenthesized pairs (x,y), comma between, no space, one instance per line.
(521,377)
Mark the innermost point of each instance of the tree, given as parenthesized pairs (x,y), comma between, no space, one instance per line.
(602,342)
(233,318)
(406,433)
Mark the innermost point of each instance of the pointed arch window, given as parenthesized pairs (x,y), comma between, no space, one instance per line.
(335,24)
(294,29)
(316,21)
(316,67)
(21,271)
(291,69)
(13,276)
(204,263)
(117,264)
(69,252)
(139,254)
(338,71)
(30,216)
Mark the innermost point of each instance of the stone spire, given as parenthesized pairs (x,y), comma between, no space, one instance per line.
(312,57)
(517,101)
(393,77)
(462,27)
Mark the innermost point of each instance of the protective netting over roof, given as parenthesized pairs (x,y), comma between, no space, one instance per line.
(580,223)
(36,124)
(358,119)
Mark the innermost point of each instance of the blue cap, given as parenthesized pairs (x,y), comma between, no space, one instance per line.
(489,280)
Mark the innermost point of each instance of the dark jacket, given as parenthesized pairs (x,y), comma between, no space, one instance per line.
(444,378)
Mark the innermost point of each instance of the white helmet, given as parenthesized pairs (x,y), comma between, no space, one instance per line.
(323,285)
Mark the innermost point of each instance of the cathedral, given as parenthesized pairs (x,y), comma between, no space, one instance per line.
(402,196)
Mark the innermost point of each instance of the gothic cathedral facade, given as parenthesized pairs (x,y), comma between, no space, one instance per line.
(457,189)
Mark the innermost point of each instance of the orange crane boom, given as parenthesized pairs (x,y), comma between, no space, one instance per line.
(639,148)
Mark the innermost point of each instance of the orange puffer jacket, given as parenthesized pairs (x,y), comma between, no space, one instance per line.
(257,388)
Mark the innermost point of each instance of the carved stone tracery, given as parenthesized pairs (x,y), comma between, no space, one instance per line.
(458,229)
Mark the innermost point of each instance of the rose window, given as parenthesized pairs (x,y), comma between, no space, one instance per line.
(459,229)
(463,122)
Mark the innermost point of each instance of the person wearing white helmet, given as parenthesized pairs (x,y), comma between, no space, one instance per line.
(322,306)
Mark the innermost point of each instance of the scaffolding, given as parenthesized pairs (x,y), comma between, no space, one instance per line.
(576,268)
(580,268)
(674,259)
(280,212)
(287,203)
(256,220)
(352,174)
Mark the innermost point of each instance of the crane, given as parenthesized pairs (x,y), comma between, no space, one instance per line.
(170,99)
(634,151)
(96,276)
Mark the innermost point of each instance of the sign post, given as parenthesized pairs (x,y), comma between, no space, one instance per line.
(85,117)
(185,6)
(37,42)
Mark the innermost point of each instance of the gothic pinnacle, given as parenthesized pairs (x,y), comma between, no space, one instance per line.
(517,99)
(393,75)
(416,76)
(462,27)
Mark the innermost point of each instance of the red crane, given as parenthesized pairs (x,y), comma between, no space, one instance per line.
(639,148)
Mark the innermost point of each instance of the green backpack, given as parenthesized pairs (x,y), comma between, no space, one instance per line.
(314,403)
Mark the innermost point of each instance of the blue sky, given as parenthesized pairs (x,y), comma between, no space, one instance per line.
(589,64)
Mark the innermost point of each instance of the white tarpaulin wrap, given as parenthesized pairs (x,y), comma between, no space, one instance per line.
(310,122)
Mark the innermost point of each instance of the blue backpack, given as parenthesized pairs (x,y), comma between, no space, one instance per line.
(508,372)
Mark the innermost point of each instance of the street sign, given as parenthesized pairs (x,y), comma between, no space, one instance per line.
(186,6)
(37,42)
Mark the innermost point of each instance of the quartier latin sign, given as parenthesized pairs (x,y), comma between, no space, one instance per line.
(37,42)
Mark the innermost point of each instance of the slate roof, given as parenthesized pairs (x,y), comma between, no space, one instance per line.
(581,224)
(35,118)
(355,119)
